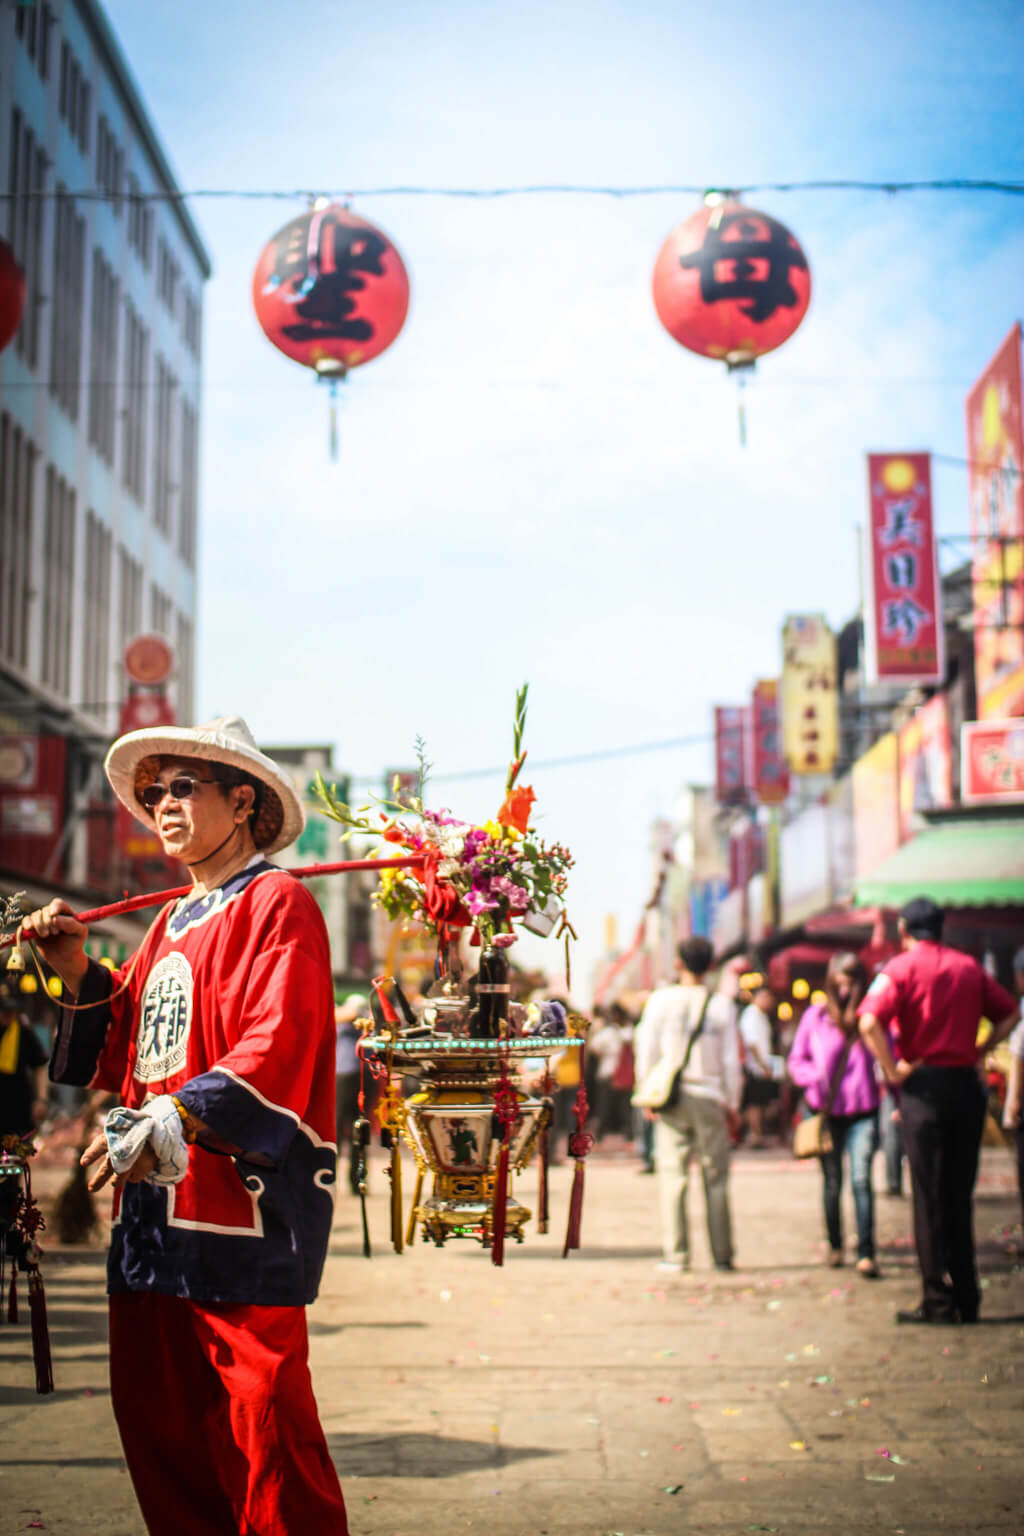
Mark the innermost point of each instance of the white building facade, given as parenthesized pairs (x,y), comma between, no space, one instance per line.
(99,428)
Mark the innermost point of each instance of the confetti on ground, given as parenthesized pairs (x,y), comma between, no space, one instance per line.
(446,1295)
(880,1477)
(664,1399)
(798,1445)
(823,1381)
(783,1384)
(811,1349)
(674,1488)
(731,1413)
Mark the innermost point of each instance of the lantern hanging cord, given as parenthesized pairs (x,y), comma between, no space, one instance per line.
(537,189)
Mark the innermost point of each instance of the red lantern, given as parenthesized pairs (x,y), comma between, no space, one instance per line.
(12,294)
(731,283)
(330,290)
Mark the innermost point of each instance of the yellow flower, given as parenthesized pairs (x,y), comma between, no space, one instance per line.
(493,829)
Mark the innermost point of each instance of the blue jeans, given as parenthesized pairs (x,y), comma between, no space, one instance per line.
(857,1135)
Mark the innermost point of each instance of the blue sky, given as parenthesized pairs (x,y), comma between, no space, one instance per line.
(535,481)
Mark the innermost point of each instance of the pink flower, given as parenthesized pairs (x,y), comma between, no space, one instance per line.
(503,940)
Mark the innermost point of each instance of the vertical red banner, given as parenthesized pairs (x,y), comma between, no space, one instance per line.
(995,454)
(903,622)
(771,772)
(731,779)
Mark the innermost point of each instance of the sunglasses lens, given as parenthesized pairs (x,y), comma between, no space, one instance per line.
(178,789)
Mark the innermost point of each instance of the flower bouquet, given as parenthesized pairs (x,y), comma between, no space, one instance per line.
(490,878)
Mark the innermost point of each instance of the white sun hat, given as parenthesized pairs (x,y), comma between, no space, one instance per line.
(133,762)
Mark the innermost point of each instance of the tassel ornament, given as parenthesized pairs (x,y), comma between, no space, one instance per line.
(41,1355)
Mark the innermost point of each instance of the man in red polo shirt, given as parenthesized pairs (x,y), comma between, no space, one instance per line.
(938,996)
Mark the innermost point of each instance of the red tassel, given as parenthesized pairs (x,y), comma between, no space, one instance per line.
(40,1332)
(12,1296)
(544,1161)
(500,1203)
(575,1223)
(580,1144)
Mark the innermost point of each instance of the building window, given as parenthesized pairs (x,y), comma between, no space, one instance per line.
(192,322)
(66,301)
(160,610)
(163,436)
(168,276)
(184,650)
(129,598)
(106,310)
(189,498)
(96,636)
(140,224)
(34,25)
(17,501)
(25,182)
(74,96)
(136,399)
(58,582)
(109,165)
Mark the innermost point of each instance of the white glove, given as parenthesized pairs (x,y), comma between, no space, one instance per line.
(158,1123)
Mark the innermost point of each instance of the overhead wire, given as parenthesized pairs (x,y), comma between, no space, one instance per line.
(530,189)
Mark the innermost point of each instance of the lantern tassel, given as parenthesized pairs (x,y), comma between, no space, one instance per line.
(41,1355)
(332,418)
(500,1215)
(580,1143)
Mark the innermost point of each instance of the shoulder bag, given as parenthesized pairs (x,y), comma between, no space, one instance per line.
(812,1137)
(661,1087)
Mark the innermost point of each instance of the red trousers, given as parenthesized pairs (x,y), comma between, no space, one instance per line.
(218,1421)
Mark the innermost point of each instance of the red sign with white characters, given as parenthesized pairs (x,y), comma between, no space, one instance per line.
(771,771)
(903,623)
(992,761)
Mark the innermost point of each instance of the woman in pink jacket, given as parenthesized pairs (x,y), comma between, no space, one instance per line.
(826,1031)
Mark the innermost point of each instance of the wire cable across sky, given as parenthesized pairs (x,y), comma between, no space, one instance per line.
(537,189)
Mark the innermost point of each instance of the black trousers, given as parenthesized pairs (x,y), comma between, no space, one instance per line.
(943,1114)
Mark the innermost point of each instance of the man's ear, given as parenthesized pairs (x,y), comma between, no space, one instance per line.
(245,798)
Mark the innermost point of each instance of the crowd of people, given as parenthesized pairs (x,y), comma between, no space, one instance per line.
(897,1060)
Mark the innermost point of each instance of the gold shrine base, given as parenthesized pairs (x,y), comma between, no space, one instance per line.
(462,1205)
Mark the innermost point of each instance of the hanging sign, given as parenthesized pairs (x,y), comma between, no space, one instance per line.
(730,755)
(995,454)
(992,761)
(148,660)
(810,700)
(903,621)
(771,776)
(925,764)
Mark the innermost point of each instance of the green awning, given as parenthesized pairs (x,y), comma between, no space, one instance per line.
(958,863)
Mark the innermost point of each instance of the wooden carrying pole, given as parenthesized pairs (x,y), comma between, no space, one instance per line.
(157,898)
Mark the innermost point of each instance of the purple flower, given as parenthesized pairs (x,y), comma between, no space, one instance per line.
(517,898)
(478,901)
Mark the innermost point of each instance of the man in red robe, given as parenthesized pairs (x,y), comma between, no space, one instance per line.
(219,1038)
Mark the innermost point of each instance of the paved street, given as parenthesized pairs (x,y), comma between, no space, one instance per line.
(596,1395)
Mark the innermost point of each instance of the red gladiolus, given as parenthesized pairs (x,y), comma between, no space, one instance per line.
(516,810)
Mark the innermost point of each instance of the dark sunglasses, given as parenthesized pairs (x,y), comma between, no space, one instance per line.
(179,789)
